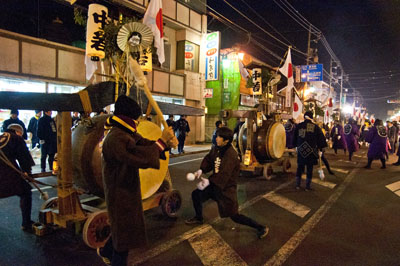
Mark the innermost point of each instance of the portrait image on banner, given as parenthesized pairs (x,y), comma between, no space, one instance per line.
(212,55)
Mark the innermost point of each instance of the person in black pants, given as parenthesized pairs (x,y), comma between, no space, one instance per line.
(182,130)
(13,148)
(223,161)
(47,133)
(377,137)
(308,138)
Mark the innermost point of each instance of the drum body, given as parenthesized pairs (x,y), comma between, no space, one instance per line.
(269,141)
(87,140)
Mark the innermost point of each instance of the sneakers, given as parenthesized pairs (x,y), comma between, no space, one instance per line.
(262,233)
(297,188)
(308,189)
(105,259)
(193,220)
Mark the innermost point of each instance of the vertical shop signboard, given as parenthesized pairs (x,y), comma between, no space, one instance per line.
(189,56)
(212,55)
(257,81)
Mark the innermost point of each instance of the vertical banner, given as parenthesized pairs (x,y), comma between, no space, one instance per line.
(257,81)
(145,60)
(212,55)
(95,42)
(288,96)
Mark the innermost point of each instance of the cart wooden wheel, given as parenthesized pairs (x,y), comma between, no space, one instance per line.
(96,230)
(50,203)
(286,165)
(171,203)
(267,171)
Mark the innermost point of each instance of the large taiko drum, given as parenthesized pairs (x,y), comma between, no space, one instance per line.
(269,141)
(87,140)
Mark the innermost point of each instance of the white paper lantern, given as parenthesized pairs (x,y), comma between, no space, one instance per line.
(95,42)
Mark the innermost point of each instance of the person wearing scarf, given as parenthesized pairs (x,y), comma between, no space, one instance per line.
(124,152)
(224,162)
(309,139)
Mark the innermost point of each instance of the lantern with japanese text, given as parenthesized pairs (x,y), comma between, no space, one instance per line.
(95,41)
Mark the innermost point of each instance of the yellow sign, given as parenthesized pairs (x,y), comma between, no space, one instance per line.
(145,60)
(247,158)
(95,41)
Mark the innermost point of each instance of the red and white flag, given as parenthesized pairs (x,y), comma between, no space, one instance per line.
(154,20)
(297,107)
(287,71)
(372,119)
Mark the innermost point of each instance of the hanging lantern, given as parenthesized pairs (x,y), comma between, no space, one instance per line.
(145,60)
(95,41)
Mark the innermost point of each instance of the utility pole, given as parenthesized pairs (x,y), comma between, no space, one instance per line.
(308,57)
(341,87)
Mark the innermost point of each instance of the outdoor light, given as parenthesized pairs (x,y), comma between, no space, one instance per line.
(241,55)
(226,63)
(348,109)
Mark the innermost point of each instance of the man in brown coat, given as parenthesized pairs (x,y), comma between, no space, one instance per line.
(224,162)
(124,152)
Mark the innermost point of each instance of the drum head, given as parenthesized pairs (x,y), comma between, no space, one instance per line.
(151,179)
(276,141)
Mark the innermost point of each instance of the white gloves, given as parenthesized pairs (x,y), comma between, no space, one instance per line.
(320,153)
(193,176)
(41,141)
(338,137)
(203,183)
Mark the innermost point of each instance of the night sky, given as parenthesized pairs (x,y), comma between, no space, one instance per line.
(364,35)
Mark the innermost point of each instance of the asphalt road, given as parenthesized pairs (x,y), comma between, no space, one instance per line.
(350,219)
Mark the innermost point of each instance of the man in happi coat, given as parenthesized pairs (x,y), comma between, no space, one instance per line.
(377,137)
(309,140)
(338,139)
(351,134)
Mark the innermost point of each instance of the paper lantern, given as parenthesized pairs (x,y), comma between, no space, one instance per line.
(145,60)
(95,41)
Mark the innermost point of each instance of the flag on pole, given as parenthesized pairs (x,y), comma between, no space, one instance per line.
(154,20)
(372,119)
(287,71)
(243,71)
(297,107)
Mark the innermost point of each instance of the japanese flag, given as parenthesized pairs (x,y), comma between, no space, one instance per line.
(154,20)
(287,71)
(372,119)
(326,116)
(297,107)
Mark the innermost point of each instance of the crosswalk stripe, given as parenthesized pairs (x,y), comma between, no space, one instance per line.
(289,205)
(397,193)
(340,170)
(213,250)
(394,186)
(347,161)
(321,183)
(42,188)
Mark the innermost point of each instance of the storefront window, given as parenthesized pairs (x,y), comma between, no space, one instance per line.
(57,88)
(187,56)
(21,85)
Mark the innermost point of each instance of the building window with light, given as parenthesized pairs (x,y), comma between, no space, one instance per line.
(187,56)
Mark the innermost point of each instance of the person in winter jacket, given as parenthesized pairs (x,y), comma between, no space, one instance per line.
(32,128)
(125,152)
(338,139)
(47,133)
(223,161)
(14,120)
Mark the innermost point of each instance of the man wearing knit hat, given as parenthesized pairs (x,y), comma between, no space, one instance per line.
(14,120)
(309,139)
(124,152)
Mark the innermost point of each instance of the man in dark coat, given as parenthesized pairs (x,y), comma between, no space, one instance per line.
(14,120)
(290,127)
(182,130)
(338,139)
(124,152)
(32,128)
(224,162)
(218,125)
(392,135)
(351,134)
(377,137)
(47,133)
(309,139)
(171,123)
(14,149)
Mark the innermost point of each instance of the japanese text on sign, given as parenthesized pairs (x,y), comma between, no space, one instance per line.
(311,73)
(257,81)
(212,56)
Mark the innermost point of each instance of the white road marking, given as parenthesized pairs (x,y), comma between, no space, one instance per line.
(318,181)
(345,161)
(136,258)
(287,249)
(186,161)
(42,188)
(288,204)
(360,156)
(397,193)
(213,250)
(89,199)
(340,170)
(394,186)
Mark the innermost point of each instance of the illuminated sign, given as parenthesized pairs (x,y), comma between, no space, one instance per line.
(212,56)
